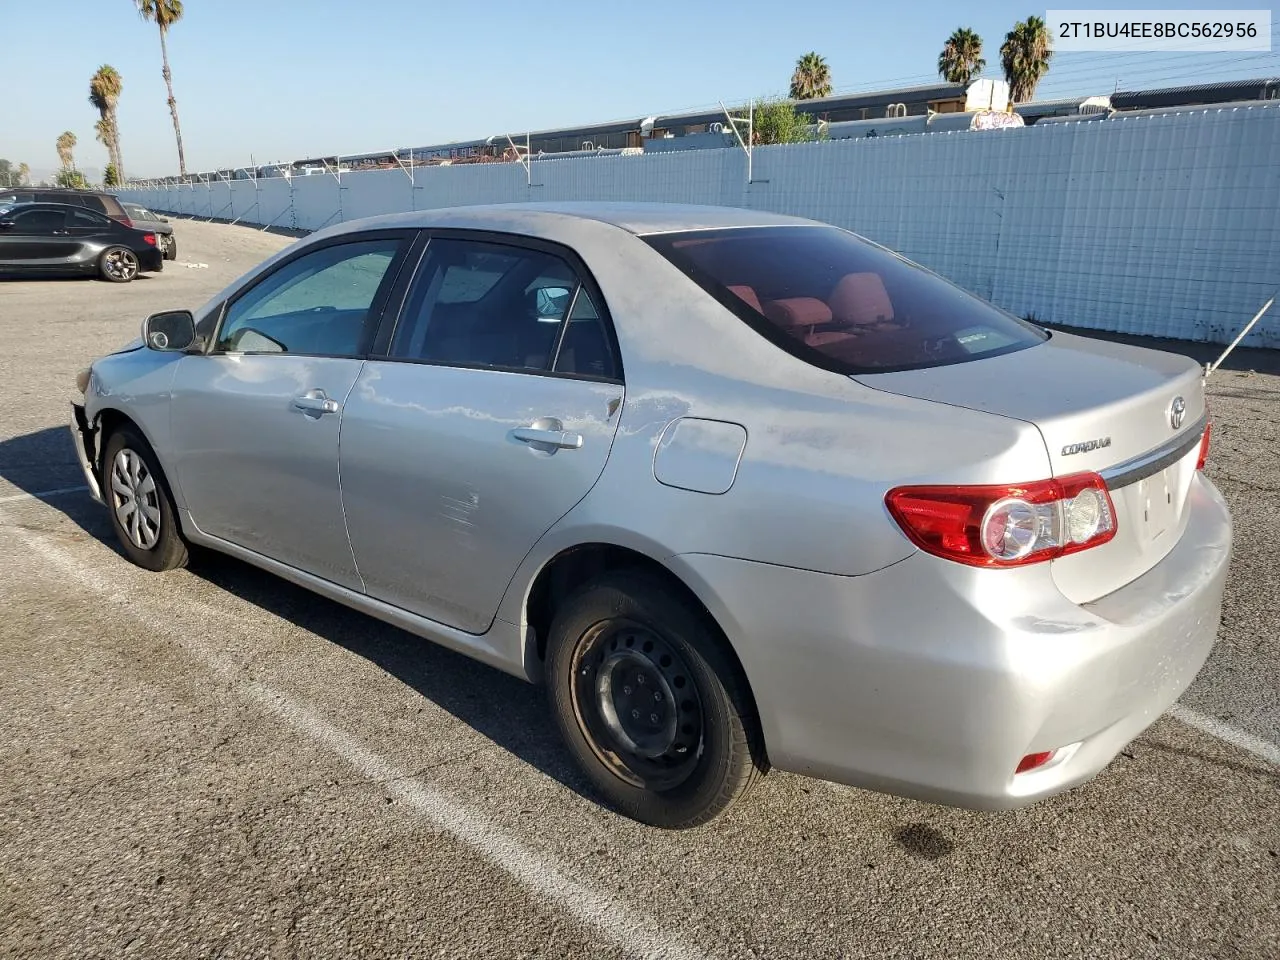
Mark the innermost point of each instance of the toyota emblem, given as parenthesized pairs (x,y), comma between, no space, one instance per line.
(1177,412)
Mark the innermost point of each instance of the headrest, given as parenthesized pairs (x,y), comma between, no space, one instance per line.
(860,298)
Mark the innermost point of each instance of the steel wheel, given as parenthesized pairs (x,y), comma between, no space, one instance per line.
(135,499)
(636,705)
(120,265)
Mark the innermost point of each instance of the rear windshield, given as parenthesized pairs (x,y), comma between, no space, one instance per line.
(842,303)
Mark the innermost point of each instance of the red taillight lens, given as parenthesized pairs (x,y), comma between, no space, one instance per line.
(1006,526)
(1204,447)
(127,222)
(149,239)
(1033,760)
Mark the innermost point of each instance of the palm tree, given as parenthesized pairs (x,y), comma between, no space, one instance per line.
(812,78)
(1025,57)
(105,130)
(105,87)
(961,57)
(165,13)
(24,172)
(66,145)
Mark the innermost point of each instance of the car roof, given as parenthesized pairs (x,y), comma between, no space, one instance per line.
(640,219)
(34,204)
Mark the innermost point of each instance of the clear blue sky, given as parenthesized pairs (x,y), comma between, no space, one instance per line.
(283,81)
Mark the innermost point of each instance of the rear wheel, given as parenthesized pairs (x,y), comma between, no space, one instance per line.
(141,506)
(650,704)
(118,265)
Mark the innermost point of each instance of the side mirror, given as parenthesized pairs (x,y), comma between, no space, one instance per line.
(171,332)
(551,302)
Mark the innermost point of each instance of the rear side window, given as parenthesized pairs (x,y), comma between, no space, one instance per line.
(481,304)
(840,302)
(86,219)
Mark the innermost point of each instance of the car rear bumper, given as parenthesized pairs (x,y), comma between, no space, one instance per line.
(151,260)
(931,679)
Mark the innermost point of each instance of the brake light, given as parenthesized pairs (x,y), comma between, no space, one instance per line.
(127,222)
(149,239)
(1204,447)
(1006,526)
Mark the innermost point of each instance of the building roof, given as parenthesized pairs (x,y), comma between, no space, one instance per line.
(1224,92)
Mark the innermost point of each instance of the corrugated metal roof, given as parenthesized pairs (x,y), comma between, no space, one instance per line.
(1223,92)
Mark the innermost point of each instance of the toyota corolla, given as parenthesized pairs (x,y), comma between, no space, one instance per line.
(742,490)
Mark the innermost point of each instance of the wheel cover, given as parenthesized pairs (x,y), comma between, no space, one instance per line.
(135,499)
(122,264)
(637,704)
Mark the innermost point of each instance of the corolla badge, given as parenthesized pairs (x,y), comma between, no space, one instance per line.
(1085,446)
(1177,412)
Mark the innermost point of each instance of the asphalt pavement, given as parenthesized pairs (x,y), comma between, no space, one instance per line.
(214,762)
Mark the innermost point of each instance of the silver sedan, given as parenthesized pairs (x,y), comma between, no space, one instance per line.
(742,490)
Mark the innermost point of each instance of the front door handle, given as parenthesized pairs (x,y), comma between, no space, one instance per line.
(548,435)
(551,438)
(319,405)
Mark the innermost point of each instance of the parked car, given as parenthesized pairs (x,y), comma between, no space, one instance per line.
(743,490)
(52,239)
(103,203)
(145,219)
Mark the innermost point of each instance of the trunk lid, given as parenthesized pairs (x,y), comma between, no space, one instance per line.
(1099,406)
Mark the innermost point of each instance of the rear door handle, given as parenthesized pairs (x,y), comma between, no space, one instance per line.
(549,437)
(320,405)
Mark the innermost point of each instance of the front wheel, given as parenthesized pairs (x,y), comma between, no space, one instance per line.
(651,705)
(118,265)
(170,247)
(142,511)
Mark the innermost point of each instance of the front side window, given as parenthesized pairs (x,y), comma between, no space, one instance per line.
(840,302)
(39,221)
(492,305)
(319,304)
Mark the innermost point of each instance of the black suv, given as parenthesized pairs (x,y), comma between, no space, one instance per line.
(103,203)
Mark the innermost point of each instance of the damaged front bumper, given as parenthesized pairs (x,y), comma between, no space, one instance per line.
(85,438)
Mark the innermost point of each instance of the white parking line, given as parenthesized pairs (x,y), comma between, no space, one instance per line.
(1264,749)
(40,495)
(635,934)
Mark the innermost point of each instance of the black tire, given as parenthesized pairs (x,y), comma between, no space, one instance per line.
(170,247)
(163,549)
(118,265)
(601,639)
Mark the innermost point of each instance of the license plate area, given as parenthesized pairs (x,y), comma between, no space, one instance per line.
(1158,498)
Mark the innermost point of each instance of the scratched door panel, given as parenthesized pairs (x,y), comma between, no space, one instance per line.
(442,498)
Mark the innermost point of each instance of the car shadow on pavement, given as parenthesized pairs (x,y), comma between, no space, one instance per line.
(41,465)
(508,711)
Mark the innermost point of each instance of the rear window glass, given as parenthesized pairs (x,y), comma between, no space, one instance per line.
(840,302)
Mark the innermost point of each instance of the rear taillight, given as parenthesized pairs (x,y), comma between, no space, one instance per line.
(1006,526)
(1204,447)
(127,222)
(149,239)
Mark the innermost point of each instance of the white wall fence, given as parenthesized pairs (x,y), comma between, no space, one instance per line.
(1165,225)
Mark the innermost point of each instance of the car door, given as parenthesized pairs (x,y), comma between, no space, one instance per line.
(479,422)
(86,226)
(256,418)
(37,237)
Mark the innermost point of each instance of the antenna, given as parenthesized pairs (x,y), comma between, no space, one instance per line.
(1210,367)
